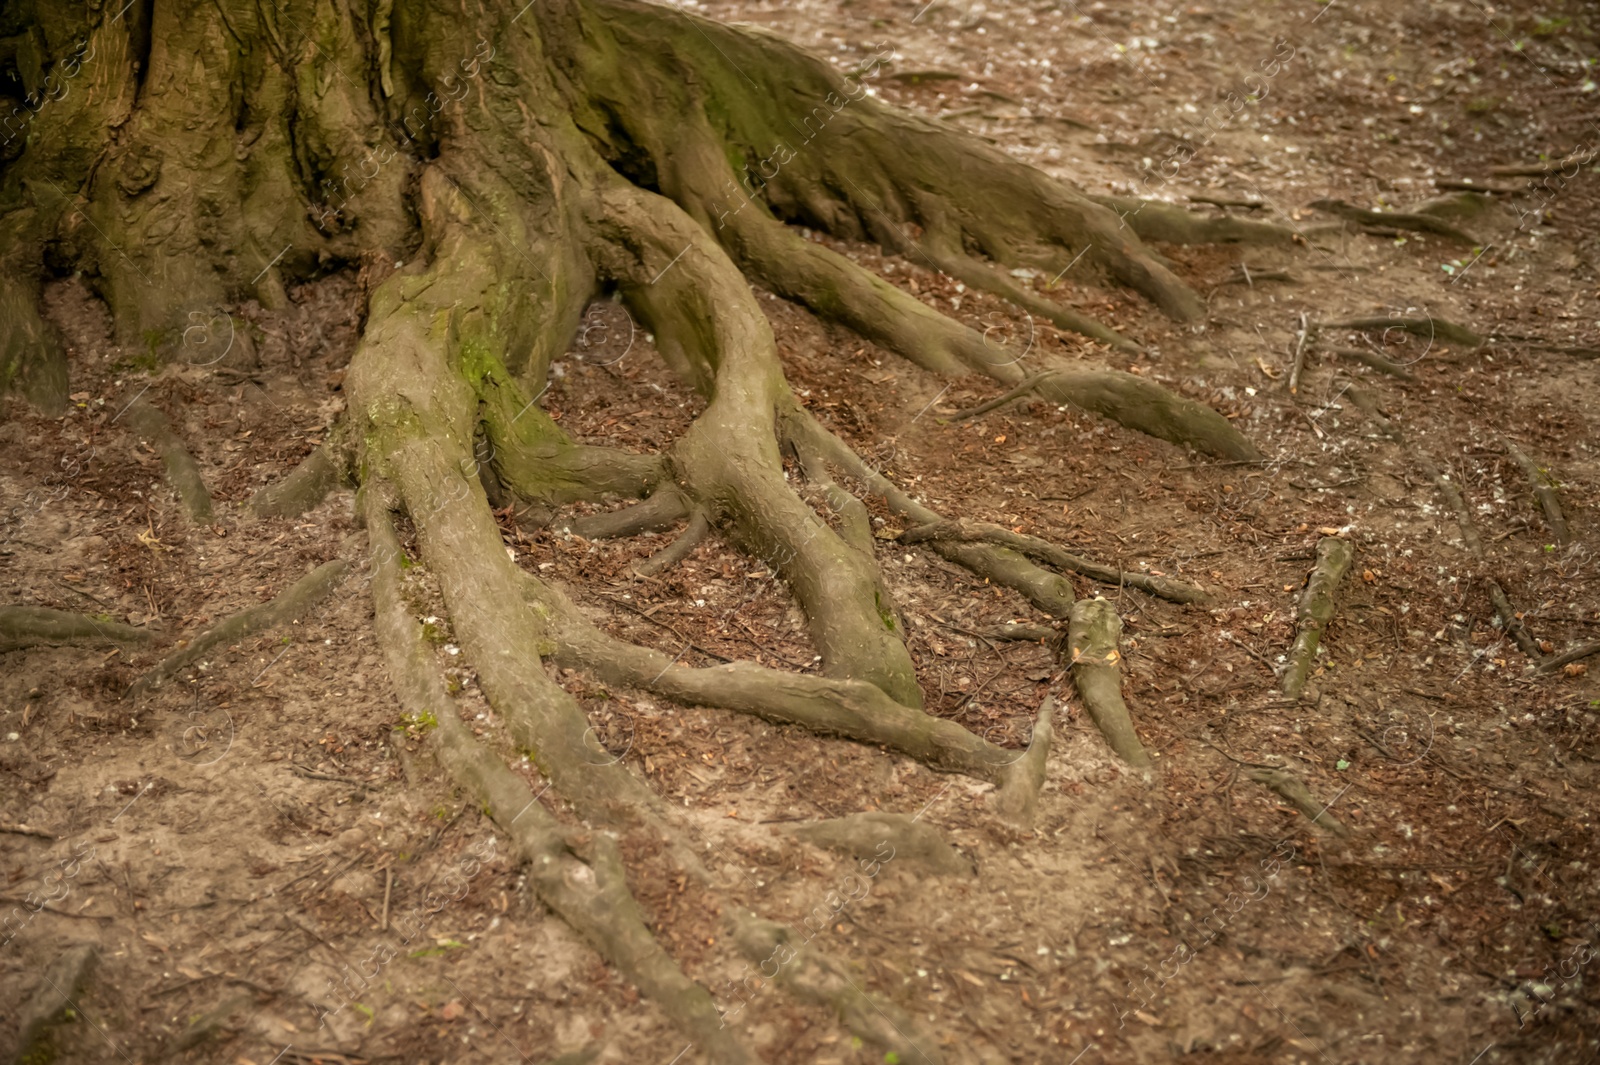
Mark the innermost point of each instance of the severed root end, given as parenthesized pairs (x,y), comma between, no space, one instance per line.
(1022,780)
(1095,661)
(34,626)
(1316,608)
(1293,791)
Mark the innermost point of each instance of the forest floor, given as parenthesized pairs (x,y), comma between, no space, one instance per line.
(240,843)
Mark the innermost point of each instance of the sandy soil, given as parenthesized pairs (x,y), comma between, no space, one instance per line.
(268,839)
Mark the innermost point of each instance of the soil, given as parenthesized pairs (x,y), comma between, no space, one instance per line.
(268,839)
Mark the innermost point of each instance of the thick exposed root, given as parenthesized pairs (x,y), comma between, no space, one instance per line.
(1138,404)
(1293,790)
(1567,658)
(664,509)
(1048,591)
(650,76)
(853,709)
(1430,328)
(306,486)
(1544,489)
(290,605)
(1024,779)
(968,531)
(584,883)
(705,319)
(1170,224)
(35,626)
(535,459)
(1316,610)
(182,470)
(1417,223)
(1096,662)
(679,549)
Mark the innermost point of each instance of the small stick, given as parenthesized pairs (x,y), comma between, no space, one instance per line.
(1578,159)
(1544,490)
(388,886)
(1299,356)
(1316,609)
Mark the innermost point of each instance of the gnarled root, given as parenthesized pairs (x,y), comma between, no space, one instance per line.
(1429,328)
(1093,656)
(1316,609)
(853,709)
(583,883)
(35,626)
(289,605)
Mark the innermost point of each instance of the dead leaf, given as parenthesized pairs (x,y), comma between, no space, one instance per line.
(1269,371)
(452,1010)
(1574,669)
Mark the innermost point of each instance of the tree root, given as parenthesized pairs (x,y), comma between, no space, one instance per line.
(1138,404)
(182,470)
(1048,591)
(664,508)
(1430,328)
(985,278)
(1544,489)
(581,880)
(678,550)
(1566,658)
(290,605)
(1376,361)
(1420,223)
(35,626)
(853,709)
(306,486)
(1095,661)
(1294,791)
(1023,780)
(1316,609)
(1165,588)
(709,326)
(1169,224)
